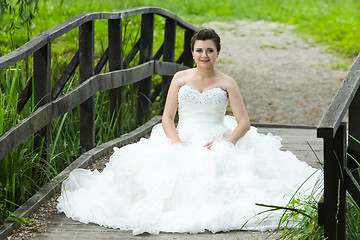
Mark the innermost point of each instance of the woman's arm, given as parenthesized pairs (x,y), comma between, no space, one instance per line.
(239,111)
(170,109)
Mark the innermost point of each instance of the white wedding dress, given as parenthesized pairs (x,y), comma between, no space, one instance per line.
(153,186)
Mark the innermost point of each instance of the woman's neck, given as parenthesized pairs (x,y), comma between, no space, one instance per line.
(205,73)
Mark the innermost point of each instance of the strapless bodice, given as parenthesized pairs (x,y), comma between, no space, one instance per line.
(201,113)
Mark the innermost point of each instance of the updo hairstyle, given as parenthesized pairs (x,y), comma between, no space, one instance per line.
(206,34)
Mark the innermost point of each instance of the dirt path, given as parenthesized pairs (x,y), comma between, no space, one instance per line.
(282,78)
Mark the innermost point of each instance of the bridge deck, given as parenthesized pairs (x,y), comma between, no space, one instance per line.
(296,140)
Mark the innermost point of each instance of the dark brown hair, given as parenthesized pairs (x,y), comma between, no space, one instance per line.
(206,34)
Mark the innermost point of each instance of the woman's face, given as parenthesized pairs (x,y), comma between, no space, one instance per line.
(205,53)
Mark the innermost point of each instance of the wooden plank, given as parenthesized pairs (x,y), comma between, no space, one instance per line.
(86,70)
(101,63)
(70,69)
(354,132)
(352,186)
(42,83)
(61,227)
(334,191)
(131,54)
(287,132)
(159,52)
(24,96)
(115,63)
(167,68)
(169,54)
(181,58)
(23,130)
(146,54)
(188,58)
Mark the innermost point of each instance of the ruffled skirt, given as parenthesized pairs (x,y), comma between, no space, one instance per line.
(153,185)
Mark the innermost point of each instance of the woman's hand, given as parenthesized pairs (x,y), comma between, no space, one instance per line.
(177,141)
(208,145)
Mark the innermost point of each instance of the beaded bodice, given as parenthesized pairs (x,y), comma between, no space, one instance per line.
(201,113)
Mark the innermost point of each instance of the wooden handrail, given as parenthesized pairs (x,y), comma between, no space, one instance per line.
(40,47)
(339,174)
(332,119)
(58,107)
(42,39)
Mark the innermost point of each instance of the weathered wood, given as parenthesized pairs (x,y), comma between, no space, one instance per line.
(42,83)
(23,130)
(321,211)
(58,107)
(131,54)
(146,51)
(159,52)
(341,102)
(24,96)
(334,190)
(354,132)
(167,68)
(188,58)
(169,54)
(61,227)
(86,70)
(70,69)
(115,63)
(102,61)
(42,39)
(180,59)
(352,185)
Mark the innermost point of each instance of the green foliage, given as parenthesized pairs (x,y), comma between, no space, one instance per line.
(16,16)
(299,220)
(352,218)
(332,22)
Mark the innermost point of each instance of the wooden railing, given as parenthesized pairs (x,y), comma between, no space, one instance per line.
(341,155)
(51,107)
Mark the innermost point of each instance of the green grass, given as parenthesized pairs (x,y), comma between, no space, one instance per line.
(331,22)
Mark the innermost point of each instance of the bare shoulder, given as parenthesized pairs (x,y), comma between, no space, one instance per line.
(181,77)
(226,82)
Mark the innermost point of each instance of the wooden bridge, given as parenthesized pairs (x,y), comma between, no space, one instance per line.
(340,170)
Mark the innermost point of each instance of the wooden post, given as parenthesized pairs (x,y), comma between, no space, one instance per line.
(169,54)
(42,82)
(188,58)
(334,190)
(86,70)
(354,131)
(146,51)
(115,63)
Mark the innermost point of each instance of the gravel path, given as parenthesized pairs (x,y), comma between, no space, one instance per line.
(282,78)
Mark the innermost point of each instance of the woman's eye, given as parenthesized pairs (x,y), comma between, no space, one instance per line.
(198,50)
(211,50)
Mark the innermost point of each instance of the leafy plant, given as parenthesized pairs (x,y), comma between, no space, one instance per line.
(17,16)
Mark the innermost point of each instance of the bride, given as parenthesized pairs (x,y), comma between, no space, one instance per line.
(207,173)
